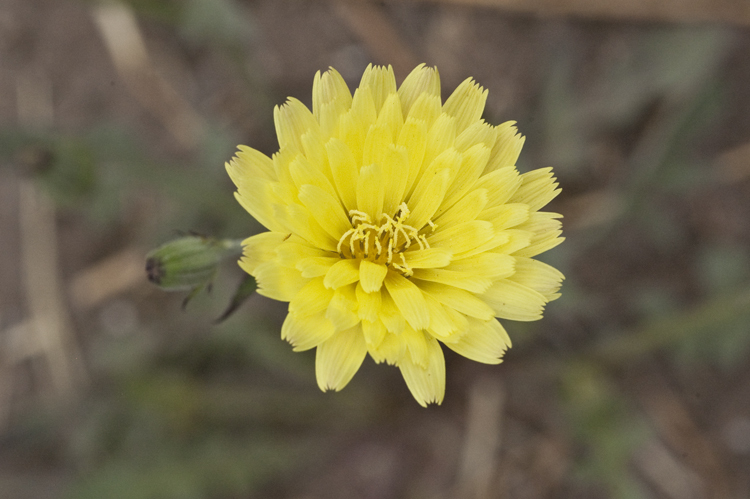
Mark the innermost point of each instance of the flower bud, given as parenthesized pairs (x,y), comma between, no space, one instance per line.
(189,262)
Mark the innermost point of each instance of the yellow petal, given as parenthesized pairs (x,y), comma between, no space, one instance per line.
(470,281)
(513,301)
(428,258)
(331,98)
(413,137)
(440,323)
(374,333)
(295,249)
(506,215)
(345,172)
(517,240)
(250,162)
(330,118)
(330,87)
(458,299)
(390,315)
(442,136)
(396,171)
(343,272)
(462,237)
(325,209)
(426,108)
(426,201)
(507,147)
(490,265)
(497,240)
(371,275)
(342,309)
(303,172)
(381,81)
(545,228)
(260,248)
(449,160)
(466,103)
(363,110)
(369,304)
(371,190)
(338,359)
(258,198)
(286,189)
(501,184)
(477,133)
(353,133)
(541,222)
(459,322)
(376,144)
(390,116)
(540,244)
(472,165)
(277,282)
(307,332)
(316,266)
(486,342)
(298,220)
(391,349)
(416,346)
(313,145)
(465,210)
(292,120)
(538,187)
(408,299)
(426,385)
(311,299)
(421,80)
(538,276)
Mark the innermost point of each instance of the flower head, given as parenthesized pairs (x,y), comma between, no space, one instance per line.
(397,222)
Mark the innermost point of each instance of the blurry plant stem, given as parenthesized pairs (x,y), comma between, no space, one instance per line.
(714,313)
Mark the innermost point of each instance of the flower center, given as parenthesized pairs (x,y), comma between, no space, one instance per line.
(382,243)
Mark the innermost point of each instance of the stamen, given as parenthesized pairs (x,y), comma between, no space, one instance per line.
(390,238)
(422,241)
(405,269)
(359,216)
(343,238)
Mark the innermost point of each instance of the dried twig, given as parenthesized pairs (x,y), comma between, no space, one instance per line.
(479,462)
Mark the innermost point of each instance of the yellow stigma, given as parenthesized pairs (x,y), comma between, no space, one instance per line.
(382,243)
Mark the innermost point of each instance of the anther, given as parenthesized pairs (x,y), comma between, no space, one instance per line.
(381,243)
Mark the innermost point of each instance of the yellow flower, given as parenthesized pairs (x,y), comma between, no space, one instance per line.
(396,223)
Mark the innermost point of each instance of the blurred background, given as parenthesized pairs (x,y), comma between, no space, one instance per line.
(116,119)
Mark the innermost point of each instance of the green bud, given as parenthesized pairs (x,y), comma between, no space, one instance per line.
(188,263)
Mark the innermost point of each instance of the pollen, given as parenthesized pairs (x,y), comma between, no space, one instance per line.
(383,243)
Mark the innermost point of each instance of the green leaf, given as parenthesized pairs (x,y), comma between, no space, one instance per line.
(244,291)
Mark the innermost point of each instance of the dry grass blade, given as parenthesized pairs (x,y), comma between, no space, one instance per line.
(50,333)
(107,278)
(119,28)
